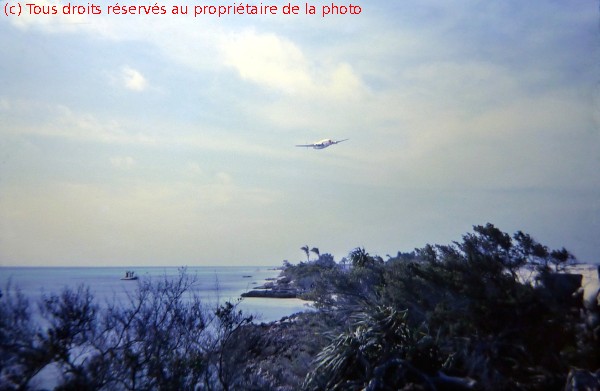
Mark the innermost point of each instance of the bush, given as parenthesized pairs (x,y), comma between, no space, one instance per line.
(162,338)
(489,324)
(379,350)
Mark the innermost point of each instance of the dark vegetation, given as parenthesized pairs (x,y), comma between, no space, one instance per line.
(452,317)
(162,339)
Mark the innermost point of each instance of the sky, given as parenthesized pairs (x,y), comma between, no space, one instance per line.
(170,140)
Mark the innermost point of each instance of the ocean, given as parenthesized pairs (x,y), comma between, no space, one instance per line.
(215,284)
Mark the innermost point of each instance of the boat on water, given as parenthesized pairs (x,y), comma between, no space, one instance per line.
(129,276)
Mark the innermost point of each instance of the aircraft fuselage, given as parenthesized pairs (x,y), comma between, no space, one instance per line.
(321,144)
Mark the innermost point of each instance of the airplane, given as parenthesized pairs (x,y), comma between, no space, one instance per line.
(321,144)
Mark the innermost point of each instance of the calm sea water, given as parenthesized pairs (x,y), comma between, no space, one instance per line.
(214,284)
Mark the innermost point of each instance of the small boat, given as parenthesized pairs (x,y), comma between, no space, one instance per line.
(129,276)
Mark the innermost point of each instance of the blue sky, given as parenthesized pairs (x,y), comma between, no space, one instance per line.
(132,140)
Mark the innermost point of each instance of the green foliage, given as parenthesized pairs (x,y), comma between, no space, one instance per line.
(278,355)
(489,324)
(158,339)
(360,258)
(304,275)
(370,352)
(162,338)
(316,251)
(306,250)
(227,359)
(22,354)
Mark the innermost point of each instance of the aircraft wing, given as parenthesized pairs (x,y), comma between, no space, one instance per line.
(321,144)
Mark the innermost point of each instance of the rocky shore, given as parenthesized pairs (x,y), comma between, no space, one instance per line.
(279,288)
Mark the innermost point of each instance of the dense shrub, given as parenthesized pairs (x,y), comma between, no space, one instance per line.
(489,324)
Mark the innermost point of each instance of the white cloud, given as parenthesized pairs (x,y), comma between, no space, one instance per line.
(133,79)
(63,122)
(194,169)
(4,104)
(223,190)
(277,63)
(268,60)
(122,162)
(56,120)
